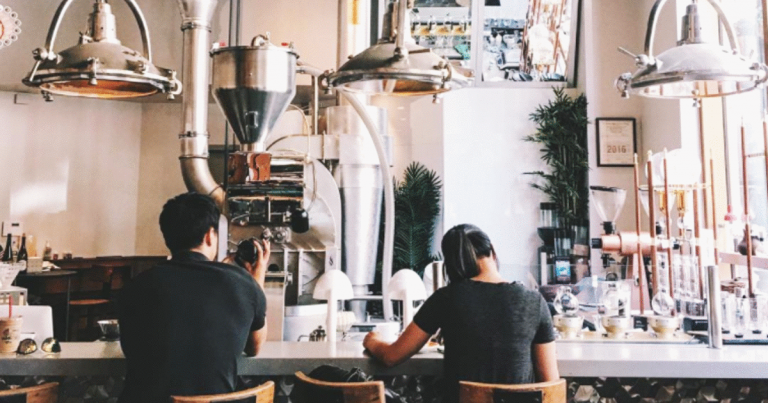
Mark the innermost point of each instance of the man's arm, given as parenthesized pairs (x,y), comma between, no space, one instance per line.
(259,271)
(255,341)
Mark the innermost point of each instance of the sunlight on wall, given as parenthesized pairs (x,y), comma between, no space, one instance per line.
(42,197)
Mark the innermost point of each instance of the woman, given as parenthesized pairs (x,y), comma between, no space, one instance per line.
(494,331)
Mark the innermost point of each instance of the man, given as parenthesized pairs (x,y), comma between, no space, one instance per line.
(184,322)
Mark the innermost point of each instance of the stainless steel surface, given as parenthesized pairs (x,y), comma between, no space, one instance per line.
(438,281)
(397,66)
(99,66)
(274,290)
(359,179)
(253,86)
(714,314)
(389,200)
(196,24)
(692,69)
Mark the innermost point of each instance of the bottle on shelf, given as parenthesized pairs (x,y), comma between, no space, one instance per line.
(23,256)
(8,253)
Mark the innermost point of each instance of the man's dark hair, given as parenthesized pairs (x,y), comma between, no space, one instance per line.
(186,219)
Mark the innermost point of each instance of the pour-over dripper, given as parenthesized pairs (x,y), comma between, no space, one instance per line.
(608,201)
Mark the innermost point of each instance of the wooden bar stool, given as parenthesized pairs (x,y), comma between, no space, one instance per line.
(544,392)
(348,392)
(264,393)
(45,393)
(91,310)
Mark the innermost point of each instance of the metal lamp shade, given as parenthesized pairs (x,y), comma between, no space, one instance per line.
(694,68)
(378,70)
(99,66)
(697,71)
(101,70)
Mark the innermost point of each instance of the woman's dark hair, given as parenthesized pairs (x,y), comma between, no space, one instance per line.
(462,245)
(186,219)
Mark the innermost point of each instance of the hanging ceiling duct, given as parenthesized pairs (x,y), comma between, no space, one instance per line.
(196,16)
(99,66)
(397,65)
(692,69)
(253,86)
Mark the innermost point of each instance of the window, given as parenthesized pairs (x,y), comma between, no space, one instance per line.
(746,16)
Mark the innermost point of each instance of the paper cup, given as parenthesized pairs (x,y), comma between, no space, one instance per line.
(10,334)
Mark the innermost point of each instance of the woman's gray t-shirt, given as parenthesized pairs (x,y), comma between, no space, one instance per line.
(489,330)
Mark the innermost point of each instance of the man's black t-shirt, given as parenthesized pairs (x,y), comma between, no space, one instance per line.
(488,329)
(183,324)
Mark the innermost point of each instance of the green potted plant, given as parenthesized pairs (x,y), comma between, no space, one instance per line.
(417,209)
(562,133)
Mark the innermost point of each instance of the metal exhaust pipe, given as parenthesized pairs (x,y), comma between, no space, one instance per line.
(196,18)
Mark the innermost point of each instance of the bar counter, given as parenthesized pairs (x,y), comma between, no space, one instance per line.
(575,360)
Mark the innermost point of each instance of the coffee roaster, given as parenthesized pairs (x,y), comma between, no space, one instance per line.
(316,197)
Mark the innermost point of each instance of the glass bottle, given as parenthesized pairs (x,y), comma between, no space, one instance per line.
(8,253)
(22,256)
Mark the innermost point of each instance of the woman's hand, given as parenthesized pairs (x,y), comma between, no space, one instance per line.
(408,344)
(371,340)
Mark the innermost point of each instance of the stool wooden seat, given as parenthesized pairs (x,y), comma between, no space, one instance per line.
(90,310)
(350,392)
(544,392)
(264,393)
(45,393)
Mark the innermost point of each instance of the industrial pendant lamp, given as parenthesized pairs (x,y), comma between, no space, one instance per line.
(397,65)
(99,66)
(692,69)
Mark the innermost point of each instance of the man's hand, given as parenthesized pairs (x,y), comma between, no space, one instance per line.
(259,269)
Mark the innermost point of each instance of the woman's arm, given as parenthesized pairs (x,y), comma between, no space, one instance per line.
(408,344)
(545,362)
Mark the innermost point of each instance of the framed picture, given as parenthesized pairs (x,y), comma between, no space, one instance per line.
(616,142)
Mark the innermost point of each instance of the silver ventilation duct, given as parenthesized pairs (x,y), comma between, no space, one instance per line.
(196,18)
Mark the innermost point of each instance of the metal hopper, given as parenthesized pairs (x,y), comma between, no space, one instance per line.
(253,86)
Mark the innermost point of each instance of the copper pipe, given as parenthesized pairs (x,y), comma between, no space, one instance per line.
(714,209)
(747,230)
(640,266)
(697,235)
(669,231)
(765,143)
(652,215)
(703,178)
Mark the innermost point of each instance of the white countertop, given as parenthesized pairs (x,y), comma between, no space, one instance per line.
(574,360)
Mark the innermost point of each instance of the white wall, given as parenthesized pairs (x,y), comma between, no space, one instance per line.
(159,172)
(485,158)
(71,172)
(310,25)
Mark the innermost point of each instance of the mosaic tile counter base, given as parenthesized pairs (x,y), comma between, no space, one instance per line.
(424,389)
